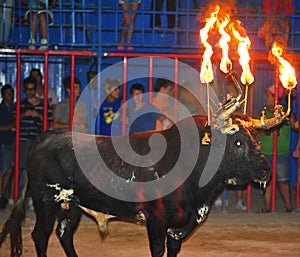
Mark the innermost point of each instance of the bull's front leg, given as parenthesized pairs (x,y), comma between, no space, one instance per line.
(156,227)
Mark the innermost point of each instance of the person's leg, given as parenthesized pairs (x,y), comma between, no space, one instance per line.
(239,201)
(283,169)
(267,196)
(1,183)
(171,7)
(285,193)
(156,6)
(134,8)
(5,16)
(124,7)
(33,31)
(43,26)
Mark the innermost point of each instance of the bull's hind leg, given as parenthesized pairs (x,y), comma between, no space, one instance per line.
(68,221)
(157,235)
(173,246)
(45,218)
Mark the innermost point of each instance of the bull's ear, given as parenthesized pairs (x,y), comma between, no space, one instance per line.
(205,138)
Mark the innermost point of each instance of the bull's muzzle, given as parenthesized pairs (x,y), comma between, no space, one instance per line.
(265,173)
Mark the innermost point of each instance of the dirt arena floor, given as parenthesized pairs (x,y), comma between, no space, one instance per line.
(231,233)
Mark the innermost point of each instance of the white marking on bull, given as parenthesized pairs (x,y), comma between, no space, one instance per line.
(63,225)
(202,213)
(172,234)
(232,181)
(64,194)
(132,178)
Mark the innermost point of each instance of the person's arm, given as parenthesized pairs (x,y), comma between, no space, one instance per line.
(58,125)
(8,127)
(293,121)
(296,152)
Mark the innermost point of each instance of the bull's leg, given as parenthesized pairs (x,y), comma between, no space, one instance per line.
(156,233)
(45,218)
(173,246)
(68,221)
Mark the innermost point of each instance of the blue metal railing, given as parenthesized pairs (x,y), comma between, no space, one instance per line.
(90,25)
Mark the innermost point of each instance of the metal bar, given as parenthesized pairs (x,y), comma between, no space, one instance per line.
(150,87)
(72,100)
(18,118)
(274,159)
(176,89)
(45,115)
(125,67)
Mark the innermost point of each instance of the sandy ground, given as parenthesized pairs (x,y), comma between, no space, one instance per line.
(230,233)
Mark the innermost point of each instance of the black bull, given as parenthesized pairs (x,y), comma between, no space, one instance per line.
(53,170)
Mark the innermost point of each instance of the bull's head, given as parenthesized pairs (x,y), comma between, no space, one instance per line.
(229,123)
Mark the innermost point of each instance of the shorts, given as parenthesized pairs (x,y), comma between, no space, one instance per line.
(283,166)
(130,1)
(24,148)
(6,157)
(50,16)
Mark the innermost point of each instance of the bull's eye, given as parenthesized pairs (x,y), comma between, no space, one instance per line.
(238,143)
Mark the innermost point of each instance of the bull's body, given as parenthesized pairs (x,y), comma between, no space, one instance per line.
(52,166)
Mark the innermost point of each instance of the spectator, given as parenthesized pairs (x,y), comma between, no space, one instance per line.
(61,117)
(109,115)
(164,88)
(7,138)
(31,119)
(5,20)
(156,6)
(42,10)
(186,95)
(142,116)
(282,155)
(129,8)
(52,98)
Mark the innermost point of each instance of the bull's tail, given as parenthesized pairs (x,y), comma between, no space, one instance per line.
(13,224)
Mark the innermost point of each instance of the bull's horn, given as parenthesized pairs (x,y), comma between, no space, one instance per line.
(263,123)
(222,119)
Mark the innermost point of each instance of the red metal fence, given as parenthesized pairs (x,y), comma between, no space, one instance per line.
(124,56)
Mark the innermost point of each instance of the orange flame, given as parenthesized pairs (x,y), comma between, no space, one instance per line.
(287,73)
(206,73)
(225,64)
(243,46)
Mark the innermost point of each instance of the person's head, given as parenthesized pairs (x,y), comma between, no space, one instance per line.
(270,95)
(137,93)
(29,85)
(67,86)
(7,93)
(111,89)
(36,73)
(164,86)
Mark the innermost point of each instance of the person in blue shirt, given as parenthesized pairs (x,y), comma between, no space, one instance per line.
(108,121)
(142,116)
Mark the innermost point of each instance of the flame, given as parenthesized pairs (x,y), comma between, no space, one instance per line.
(287,73)
(225,64)
(206,73)
(243,46)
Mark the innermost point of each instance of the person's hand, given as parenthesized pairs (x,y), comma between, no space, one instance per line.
(296,153)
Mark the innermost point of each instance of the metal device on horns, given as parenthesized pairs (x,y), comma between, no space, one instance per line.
(223,120)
